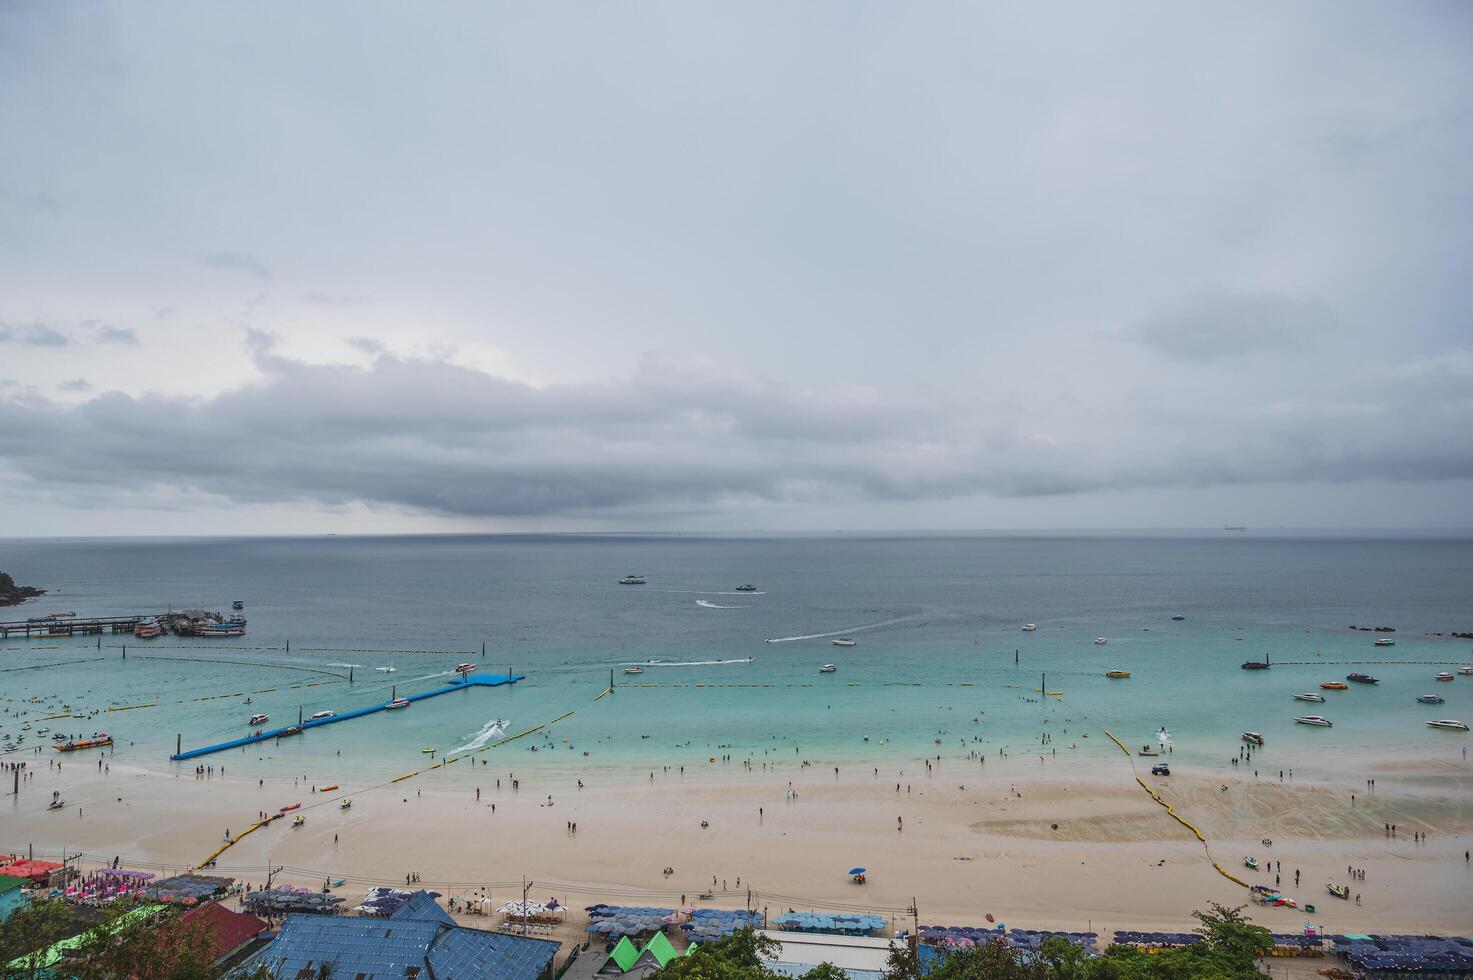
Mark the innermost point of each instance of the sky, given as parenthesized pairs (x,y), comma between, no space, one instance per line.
(372,267)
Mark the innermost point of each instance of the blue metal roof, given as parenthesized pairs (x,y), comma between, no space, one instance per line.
(423,907)
(381,949)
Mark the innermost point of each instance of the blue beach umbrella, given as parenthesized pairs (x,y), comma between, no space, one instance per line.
(856,871)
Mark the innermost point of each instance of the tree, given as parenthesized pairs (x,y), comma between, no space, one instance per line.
(163,947)
(31,929)
(743,955)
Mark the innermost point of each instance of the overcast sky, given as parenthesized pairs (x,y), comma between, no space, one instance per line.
(281,267)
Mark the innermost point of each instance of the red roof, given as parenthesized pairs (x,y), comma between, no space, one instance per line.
(32,869)
(229,930)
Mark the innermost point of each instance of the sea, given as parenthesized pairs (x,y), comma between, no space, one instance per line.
(940,666)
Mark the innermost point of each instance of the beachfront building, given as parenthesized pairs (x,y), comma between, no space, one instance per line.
(419,940)
(11,897)
(860,957)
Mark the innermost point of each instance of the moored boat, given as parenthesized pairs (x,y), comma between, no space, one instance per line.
(237,604)
(827,669)
(1029,627)
(1100,641)
(1384,641)
(327,789)
(1465,670)
(632,580)
(748,587)
(1449,723)
(1146,750)
(1334,686)
(1117,674)
(1360,678)
(1313,720)
(97,741)
(464,668)
(1251,862)
(1253,737)
(1309,697)
(1444,676)
(634,670)
(319,715)
(259,719)
(844,641)
(1431,698)
(386,670)
(294,730)
(1256,664)
(396,704)
(1339,891)
(289,808)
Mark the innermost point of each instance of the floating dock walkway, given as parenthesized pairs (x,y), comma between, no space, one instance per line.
(474,680)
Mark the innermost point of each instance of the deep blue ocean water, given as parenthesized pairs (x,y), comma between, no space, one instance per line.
(937,620)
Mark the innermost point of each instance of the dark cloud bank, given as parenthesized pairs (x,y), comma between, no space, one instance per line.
(434,437)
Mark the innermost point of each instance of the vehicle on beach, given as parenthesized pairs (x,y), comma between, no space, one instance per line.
(259,719)
(1444,676)
(844,641)
(299,821)
(827,669)
(632,580)
(56,804)
(1334,686)
(1313,720)
(1029,627)
(1384,641)
(1117,674)
(1339,891)
(319,715)
(634,670)
(1431,698)
(345,804)
(396,704)
(1309,697)
(1360,678)
(1100,641)
(1161,769)
(1450,724)
(1251,863)
(748,587)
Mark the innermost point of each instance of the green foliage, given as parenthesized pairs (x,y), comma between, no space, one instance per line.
(7,584)
(164,948)
(31,929)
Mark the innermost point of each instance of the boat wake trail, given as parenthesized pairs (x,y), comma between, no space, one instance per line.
(345,665)
(840,632)
(495,728)
(711,605)
(687,663)
(426,677)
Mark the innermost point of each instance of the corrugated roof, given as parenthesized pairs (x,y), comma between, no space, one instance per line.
(228,930)
(11,882)
(422,906)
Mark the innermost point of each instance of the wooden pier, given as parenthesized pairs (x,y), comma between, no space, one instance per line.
(58,628)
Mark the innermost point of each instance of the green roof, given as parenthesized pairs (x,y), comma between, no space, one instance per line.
(11,882)
(45,958)
(623,954)
(659,947)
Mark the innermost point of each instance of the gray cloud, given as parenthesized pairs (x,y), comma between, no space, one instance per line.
(434,437)
(35,334)
(237,261)
(76,384)
(117,335)
(1214,322)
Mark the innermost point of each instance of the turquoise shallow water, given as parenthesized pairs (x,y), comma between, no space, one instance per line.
(937,620)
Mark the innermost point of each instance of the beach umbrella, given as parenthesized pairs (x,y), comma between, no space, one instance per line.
(856,871)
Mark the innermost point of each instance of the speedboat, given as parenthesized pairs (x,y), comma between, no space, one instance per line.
(289,809)
(1029,627)
(632,580)
(1431,698)
(428,751)
(396,704)
(634,670)
(1465,670)
(1255,665)
(298,821)
(386,670)
(1444,676)
(1384,641)
(294,730)
(1251,862)
(1309,697)
(827,669)
(1253,737)
(1360,678)
(1313,720)
(1117,674)
(1339,891)
(319,715)
(237,604)
(56,804)
(1450,724)
(746,588)
(1334,686)
(259,719)
(844,641)
(1177,619)
(1100,641)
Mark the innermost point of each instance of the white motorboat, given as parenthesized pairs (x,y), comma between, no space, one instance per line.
(1309,697)
(396,704)
(1465,670)
(1444,676)
(1100,641)
(1449,723)
(844,641)
(259,719)
(1385,641)
(1430,699)
(1313,720)
(632,580)
(827,669)
(319,715)
(464,668)
(634,670)
(1029,627)
(386,670)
